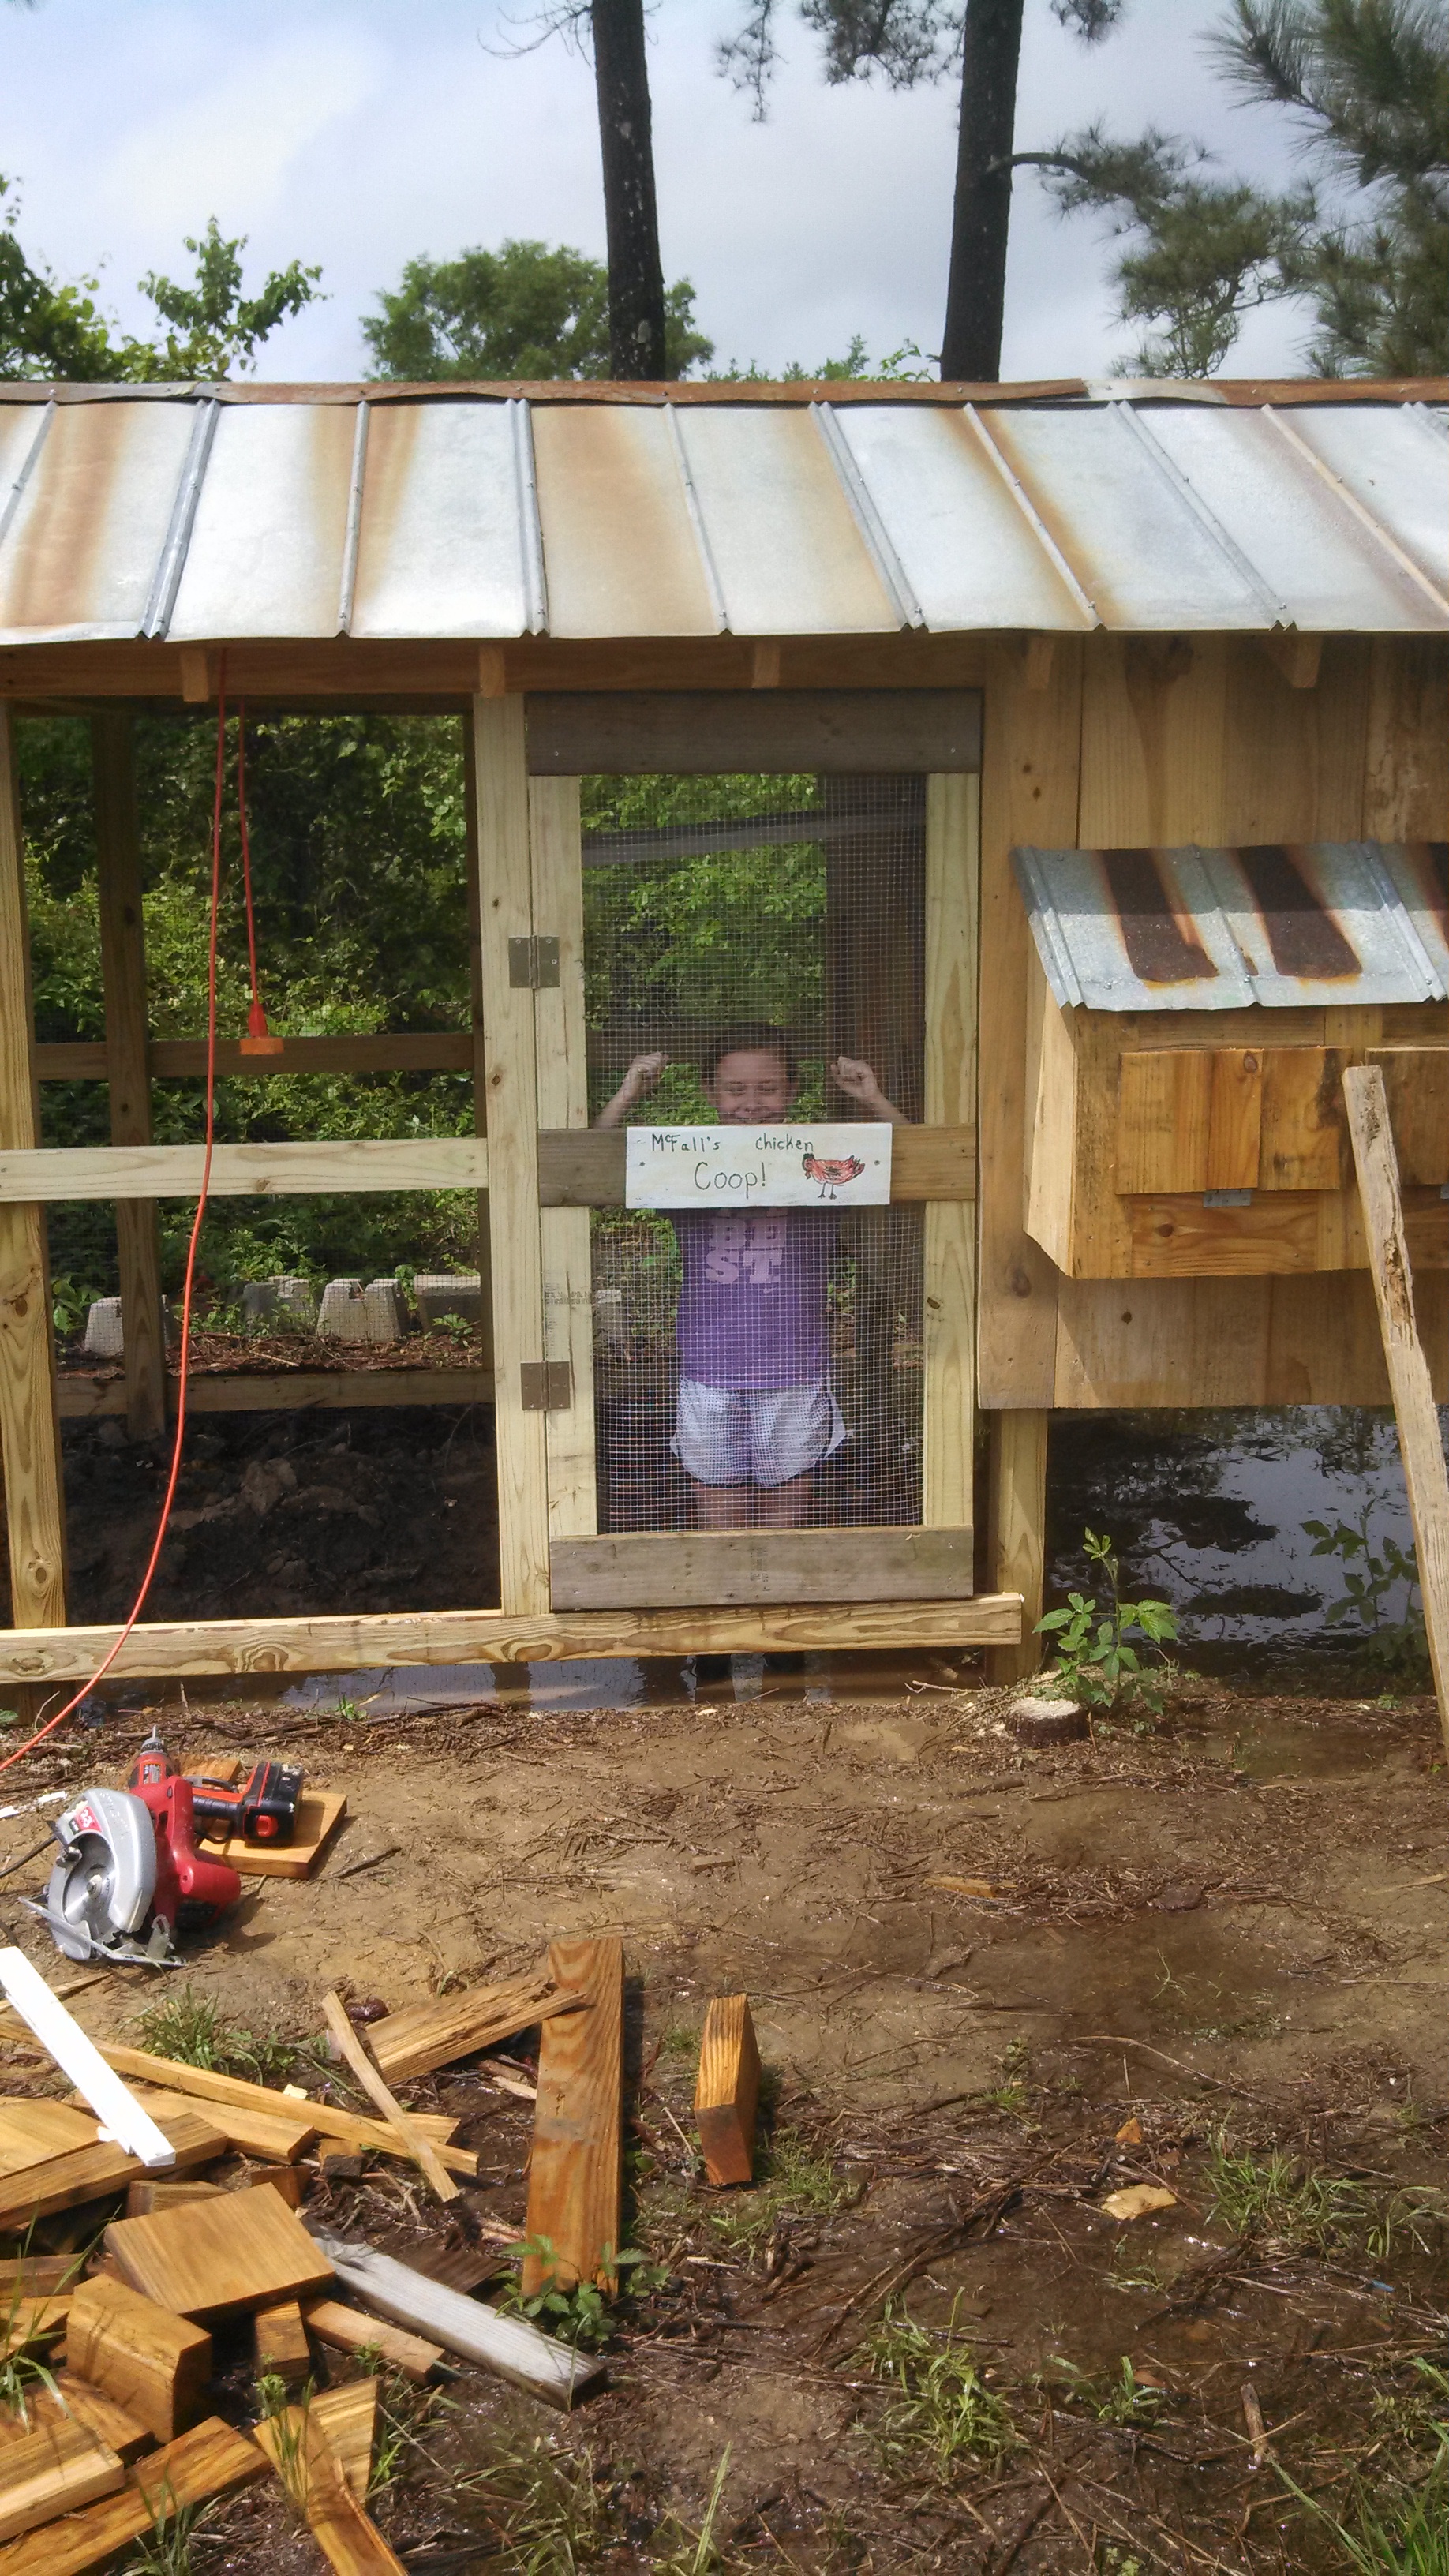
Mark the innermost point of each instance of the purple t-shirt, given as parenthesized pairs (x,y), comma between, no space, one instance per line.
(752,1306)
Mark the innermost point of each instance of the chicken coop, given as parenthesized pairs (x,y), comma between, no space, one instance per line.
(932,852)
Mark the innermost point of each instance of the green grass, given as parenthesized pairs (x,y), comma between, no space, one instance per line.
(1120,2400)
(1284,2206)
(793,2180)
(940,2416)
(1402,2533)
(171,2548)
(544,2508)
(192,2028)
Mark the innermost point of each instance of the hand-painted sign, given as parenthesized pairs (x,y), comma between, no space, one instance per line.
(732,1167)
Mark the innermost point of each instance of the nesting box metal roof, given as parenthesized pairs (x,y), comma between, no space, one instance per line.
(209,514)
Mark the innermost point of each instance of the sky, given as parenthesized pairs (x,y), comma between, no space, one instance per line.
(360,133)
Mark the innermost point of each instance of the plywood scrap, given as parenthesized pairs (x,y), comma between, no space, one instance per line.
(576,2176)
(151,2360)
(208,2461)
(61,2035)
(53,2469)
(319,1814)
(282,2349)
(222,2258)
(348,2330)
(424,2036)
(508,2345)
(727,2090)
(1421,1444)
(412,2139)
(87,2173)
(233,2092)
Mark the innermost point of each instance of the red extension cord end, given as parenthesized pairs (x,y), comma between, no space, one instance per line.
(258,1039)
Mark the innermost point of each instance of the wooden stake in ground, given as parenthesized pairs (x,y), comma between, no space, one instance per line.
(727,2090)
(1420,1444)
(396,2117)
(575,2178)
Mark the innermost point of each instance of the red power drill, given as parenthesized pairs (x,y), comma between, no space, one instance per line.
(260,1809)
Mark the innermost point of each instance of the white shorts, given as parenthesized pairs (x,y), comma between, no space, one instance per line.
(725,1435)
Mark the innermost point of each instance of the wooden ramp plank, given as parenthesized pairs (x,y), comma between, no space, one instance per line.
(220,2258)
(727,2090)
(1420,1442)
(576,2176)
(149,2360)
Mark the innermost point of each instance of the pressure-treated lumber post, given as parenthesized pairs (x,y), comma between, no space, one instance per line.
(953,864)
(29,1430)
(576,2176)
(1016,1532)
(475,1018)
(1420,1444)
(727,2090)
(505,908)
(563,1101)
(123,968)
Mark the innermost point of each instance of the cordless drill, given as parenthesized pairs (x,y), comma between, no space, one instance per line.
(260,1809)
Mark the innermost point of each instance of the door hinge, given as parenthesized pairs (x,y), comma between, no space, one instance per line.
(546,1386)
(533,963)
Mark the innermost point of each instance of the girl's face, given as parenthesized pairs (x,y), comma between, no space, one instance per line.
(751,1089)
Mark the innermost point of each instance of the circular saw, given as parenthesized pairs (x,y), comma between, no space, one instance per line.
(129,1875)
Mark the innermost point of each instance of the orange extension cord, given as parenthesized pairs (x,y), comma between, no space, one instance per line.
(139,1603)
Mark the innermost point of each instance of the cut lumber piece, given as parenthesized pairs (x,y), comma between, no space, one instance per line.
(348,2330)
(576,2176)
(290,2182)
(28,2325)
(223,2258)
(53,2469)
(278,2137)
(205,2462)
(437,2033)
(88,2173)
(510,2346)
(152,2361)
(119,2427)
(1421,1444)
(283,2351)
(36,2273)
(234,2093)
(144,2198)
(319,1813)
(348,2416)
(347,2536)
(38,1173)
(31,2132)
(61,2035)
(727,2090)
(413,2141)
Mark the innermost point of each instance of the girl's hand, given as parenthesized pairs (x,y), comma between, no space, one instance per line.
(856,1079)
(640,1079)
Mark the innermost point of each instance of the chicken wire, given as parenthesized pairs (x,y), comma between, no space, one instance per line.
(778,904)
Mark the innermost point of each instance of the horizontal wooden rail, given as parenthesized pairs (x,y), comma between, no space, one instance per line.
(394,1051)
(654,1570)
(584,1166)
(83,1398)
(245,1171)
(342,1645)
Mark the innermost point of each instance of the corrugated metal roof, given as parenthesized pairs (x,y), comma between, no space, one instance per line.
(203,514)
(1213,930)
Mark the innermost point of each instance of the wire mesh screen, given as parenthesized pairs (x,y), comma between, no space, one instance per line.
(754,953)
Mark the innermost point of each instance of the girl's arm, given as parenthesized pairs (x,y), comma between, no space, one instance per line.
(638,1082)
(852,1075)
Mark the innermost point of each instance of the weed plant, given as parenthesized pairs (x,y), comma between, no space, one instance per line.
(794,2180)
(1097,1661)
(192,2028)
(584,2314)
(1283,2206)
(1403,2532)
(941,2416)
(170,2547)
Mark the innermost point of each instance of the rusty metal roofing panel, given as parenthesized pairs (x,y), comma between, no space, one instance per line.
(618,538)
(268,543)
(1139,549)
(1392,462)
(783,535)
(22,436)
(80,554)
(441,542)
(1210,930)
(969,552)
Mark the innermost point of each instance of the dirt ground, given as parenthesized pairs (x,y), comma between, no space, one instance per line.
(992,1988)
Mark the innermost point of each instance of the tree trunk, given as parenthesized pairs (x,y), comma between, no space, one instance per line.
(636,275)
(976,289)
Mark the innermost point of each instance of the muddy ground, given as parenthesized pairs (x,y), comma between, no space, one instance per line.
(1210,1959)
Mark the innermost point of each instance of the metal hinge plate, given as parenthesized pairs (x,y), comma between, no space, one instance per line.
(546,1386)
(533,964)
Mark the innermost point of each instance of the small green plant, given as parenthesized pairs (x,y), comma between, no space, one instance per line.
(1403,2531)
(1279,2202)
(695,2553)
(23,2374)
(70,1302)
(584,2314)
(1398,1646)
(169,2548)
(793,2180)
(287,2416)
(1010,2093)
(544,2508)
(1124,2399)
(941,2415)
(1096,1661)
(404,2414)
(192,2028)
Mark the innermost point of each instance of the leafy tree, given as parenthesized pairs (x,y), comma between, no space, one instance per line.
(904,365)
(50,329)
(530,311)
(911,41)
(1365,241)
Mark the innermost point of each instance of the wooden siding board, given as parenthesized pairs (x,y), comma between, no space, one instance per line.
(953,845)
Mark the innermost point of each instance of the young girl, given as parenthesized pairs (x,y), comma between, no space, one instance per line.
(756,1412)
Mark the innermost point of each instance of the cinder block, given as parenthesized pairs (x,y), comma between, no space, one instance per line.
(296,1303)
(384,1315)
(258,1300)
(441,1292)
(104,1338)
(343,1316)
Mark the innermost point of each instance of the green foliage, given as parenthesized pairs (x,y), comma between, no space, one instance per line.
(793,2180)
(547,2509)
(170,2549)
(530,311)
(1122,2400)
(906,365)
(1403,2531)
(191,2028)
(941,2417)
(1371,1575)
(49,329)
(584,2314)
(70,1301)
(1096,1661)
